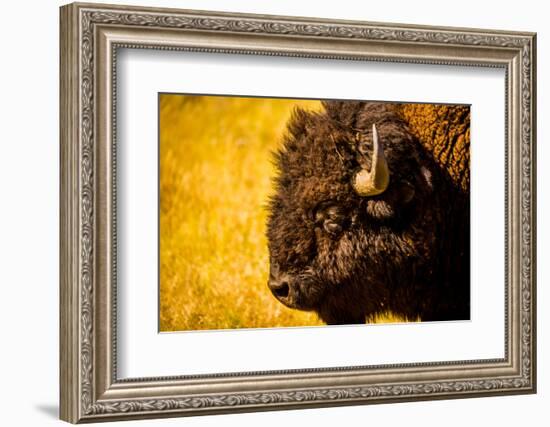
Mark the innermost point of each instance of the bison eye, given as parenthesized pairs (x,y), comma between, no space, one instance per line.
(331,218)
(331,227)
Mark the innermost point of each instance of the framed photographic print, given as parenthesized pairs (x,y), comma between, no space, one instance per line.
(265,212)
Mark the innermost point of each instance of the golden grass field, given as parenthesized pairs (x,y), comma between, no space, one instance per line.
(215,178)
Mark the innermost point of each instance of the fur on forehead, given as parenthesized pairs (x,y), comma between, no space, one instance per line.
(320,151)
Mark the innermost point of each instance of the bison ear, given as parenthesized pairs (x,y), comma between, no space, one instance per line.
(404,192)
(394,200)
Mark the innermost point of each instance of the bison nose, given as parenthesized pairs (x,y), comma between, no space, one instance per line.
(279,283)
(279,288)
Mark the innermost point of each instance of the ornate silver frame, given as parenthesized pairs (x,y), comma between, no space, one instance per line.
(90,36)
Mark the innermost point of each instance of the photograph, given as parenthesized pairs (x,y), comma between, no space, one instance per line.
(278,212)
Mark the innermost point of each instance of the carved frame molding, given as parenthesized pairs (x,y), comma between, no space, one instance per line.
(90,37)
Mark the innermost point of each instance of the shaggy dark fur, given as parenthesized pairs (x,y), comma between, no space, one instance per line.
(348,257)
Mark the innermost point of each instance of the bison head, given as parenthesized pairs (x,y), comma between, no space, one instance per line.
(352,226)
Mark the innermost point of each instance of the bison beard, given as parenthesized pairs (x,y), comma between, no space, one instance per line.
(348,242)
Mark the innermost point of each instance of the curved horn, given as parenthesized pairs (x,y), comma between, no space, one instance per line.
(375,181)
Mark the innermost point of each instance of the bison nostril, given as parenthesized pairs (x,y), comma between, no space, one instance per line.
(281,289)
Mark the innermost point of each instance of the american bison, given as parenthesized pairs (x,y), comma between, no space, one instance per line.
(371,212)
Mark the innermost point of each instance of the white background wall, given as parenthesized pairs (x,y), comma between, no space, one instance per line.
(29,171)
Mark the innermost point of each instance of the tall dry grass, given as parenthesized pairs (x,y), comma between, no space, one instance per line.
(215,178)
